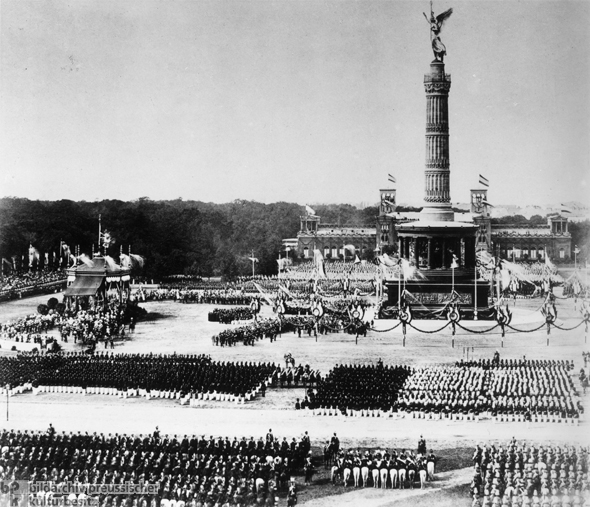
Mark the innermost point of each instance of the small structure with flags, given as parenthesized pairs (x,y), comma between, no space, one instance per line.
(92,280)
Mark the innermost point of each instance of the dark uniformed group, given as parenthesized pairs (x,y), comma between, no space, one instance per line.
(249,334)
(519,389)
(271,328)
(182,374)
(351,388)
(521,475)
(229,315)
(208,293)
(188,471)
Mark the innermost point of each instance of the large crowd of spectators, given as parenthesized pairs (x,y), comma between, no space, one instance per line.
(29,329)
(93,325)
(188,470)
(90,326)
(15,284)
(525,475)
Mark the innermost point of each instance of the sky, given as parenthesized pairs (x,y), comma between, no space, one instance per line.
(306,101)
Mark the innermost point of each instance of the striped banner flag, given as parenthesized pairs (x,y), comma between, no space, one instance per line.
(391,178)
(484,181)
(566,209)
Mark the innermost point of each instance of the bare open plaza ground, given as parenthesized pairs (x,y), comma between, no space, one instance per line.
(178,328)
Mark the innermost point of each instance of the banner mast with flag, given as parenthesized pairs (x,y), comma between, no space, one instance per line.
(254,261)
(484,181)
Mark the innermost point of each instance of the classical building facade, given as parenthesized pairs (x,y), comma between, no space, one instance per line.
(331,239)
(520,242)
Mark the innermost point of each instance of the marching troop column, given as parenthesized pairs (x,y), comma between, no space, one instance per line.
(437,174)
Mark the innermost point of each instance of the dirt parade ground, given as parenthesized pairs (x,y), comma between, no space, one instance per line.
(183,329)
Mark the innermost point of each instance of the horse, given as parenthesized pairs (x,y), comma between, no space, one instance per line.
(365,474)
(411,475)
(356,471)
(292,496)
(336,471)
(375,474)
(329,455)
(346,471)
(393,477)
(309,471)
(289,360)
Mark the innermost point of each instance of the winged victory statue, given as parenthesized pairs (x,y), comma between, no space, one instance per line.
(436,23)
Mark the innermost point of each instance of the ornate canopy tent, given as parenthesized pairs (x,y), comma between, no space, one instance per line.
(95,279)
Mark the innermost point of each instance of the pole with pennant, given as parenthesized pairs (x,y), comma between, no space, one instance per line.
(475,293)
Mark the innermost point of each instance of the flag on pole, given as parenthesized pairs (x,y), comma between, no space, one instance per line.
(484,181)
(286,291)
(391,178)
(264,294)
(356,259)
(309,210)
(350,248)
(253,259)
(548,262)
(576,250)
(454,264)
(566,209)
(387,260)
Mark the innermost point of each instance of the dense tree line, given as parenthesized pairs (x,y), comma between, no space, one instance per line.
(175,237)
(184,237)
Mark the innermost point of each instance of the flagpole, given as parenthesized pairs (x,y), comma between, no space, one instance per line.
(399,285)
(475,294)
(252,263)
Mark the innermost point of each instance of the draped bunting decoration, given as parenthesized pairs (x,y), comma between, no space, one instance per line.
(318,260)
(33,255)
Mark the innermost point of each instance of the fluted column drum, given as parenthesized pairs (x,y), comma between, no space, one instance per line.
(437,85)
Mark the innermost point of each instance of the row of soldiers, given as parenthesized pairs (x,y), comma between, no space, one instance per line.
(356,387)
(184,374)
(518,474)
(190,469)
(229,315)
(523,388)
(527,388)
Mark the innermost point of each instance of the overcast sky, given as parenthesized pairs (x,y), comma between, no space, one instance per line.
(304,101)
